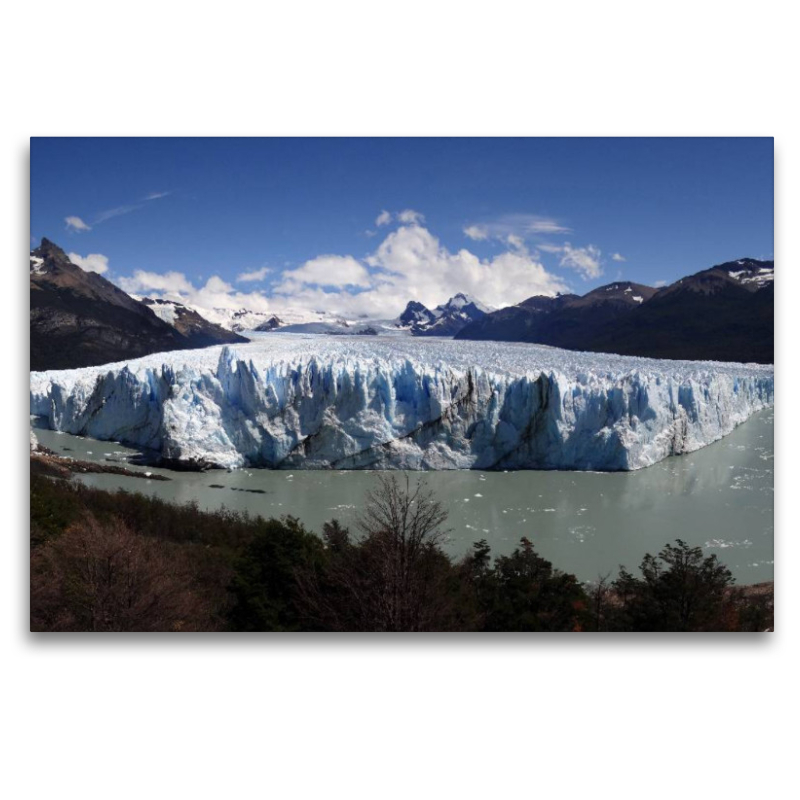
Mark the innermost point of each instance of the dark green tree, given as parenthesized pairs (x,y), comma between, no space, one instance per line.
(265,583)
(680,590)
(522,592)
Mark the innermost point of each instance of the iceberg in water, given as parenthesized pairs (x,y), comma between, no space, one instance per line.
(295,401)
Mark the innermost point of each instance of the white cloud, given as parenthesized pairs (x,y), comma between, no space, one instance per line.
(384,218)
(477,233)
(411,217)
(255,275)
(550,248)
(214,294)
(144,282)
(617,257)
(586,260)
(659,284)
(521,226)
(329,270)
(114,212)
(409,264)
(76,224)
(94,262)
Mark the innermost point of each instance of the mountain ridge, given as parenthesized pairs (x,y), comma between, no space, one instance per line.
(723,313)
(81,319)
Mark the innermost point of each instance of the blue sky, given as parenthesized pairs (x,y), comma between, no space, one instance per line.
(361,225)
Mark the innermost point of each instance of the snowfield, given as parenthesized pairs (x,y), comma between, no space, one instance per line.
(293,401)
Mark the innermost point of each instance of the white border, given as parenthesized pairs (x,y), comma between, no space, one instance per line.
(449,716)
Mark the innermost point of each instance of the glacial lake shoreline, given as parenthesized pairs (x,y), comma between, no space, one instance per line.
(719,498)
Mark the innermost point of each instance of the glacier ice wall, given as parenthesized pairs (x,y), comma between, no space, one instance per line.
(328,402)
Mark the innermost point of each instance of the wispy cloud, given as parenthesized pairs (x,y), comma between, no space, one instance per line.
(586,260)
(521,226)
(406,217)
(115,212)
(76,224)
(477,233)
(617,257)
(255,275)
(660,284)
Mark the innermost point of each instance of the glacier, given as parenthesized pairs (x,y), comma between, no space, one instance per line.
(303,401)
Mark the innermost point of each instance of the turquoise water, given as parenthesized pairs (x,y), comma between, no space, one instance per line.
(720,498)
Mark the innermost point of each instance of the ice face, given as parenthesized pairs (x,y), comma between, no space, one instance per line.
(297,401)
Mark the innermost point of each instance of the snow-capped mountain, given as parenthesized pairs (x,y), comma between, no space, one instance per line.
(750,272)
(234,319)
(403,403)
(196,328)
(444,320)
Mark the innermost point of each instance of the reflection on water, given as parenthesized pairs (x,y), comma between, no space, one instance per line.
(720,498)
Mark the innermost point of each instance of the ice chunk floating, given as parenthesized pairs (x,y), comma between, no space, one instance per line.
(315,402)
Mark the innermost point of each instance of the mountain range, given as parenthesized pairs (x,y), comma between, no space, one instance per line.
(444,320)
(725,313)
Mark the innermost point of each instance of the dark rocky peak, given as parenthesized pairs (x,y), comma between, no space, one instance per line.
(547,303)
(47,248)
(618,292)
(271,324)
(414,314)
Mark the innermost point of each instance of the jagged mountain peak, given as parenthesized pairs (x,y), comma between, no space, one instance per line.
(461,300)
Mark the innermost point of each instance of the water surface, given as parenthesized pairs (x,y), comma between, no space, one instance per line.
(588,523)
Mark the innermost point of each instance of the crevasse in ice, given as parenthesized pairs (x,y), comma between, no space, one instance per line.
(401,403)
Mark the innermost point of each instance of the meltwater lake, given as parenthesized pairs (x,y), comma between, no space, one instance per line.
(588,523)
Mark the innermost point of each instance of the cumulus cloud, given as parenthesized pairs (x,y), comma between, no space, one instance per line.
(329,270)
(143,282)
(617,257)
(255,275)
(215,294)
(384,218)
(410,263)
(586,260)
(94,262)
(76,224)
